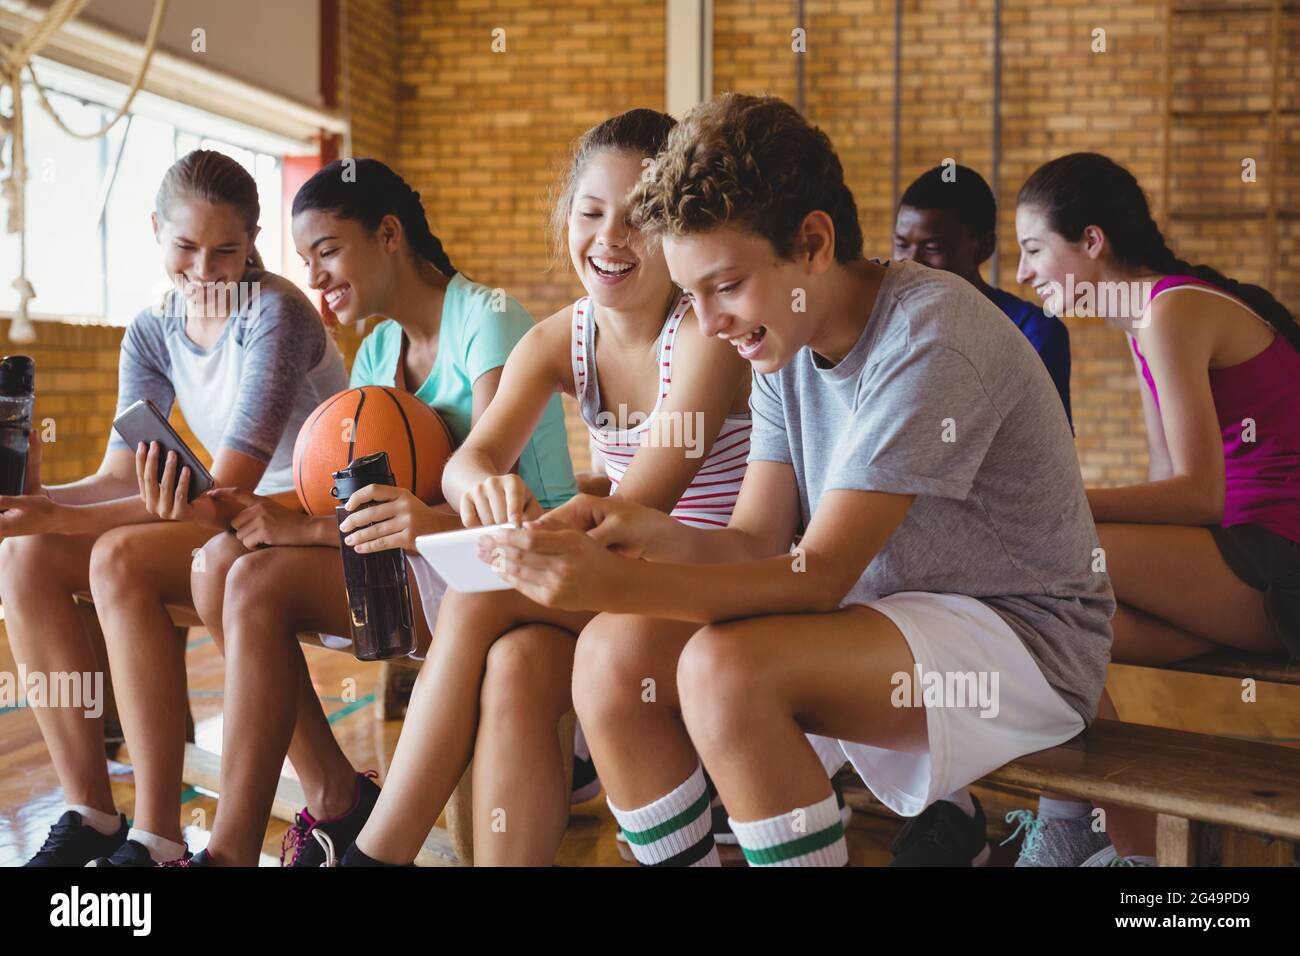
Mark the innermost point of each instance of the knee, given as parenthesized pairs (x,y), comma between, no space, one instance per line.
(208,574)
(24,561)
(524,673)
(614,673)
(112,563)
(254,585)
(719,682)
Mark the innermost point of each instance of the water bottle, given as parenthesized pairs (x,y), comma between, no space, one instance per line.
(379,596)
(17,393)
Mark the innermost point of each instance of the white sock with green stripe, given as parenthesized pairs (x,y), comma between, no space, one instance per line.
(807,836)
(675,830)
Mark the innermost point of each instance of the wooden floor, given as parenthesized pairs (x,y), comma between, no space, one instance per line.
(31,799)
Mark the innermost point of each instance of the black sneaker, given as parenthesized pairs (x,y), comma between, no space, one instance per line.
(322,842)
(132,853)
(73,843)
(942,836)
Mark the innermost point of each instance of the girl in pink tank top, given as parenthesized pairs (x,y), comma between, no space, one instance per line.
(1205,554)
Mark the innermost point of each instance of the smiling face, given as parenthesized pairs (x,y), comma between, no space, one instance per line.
(610,257)
(743,292)
(1048,257)
(205,251)
(937,238)
(346,261)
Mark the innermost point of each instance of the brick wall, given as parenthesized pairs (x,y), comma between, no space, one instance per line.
(76,382)
(481,135)
(1058,96)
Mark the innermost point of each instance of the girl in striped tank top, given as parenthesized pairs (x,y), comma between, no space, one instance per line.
(668,410)
(711,496)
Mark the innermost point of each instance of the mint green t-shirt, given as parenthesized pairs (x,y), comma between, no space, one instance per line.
(472,340)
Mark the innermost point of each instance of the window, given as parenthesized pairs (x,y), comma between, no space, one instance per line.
(90,247)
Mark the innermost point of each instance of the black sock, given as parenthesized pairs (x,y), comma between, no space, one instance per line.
(354,857)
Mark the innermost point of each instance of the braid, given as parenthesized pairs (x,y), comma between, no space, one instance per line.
(416,223)
(1083,189)
(1160,258)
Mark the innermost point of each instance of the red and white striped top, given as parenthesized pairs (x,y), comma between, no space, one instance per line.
(711,496)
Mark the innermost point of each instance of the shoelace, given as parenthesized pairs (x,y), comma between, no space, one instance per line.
(327,845)
(295,838)
(1032,826)
(61,834)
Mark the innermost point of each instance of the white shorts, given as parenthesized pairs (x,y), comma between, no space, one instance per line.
(952,634)
(428,586)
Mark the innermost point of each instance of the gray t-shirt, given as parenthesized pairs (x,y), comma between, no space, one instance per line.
(942,397)
(250,391)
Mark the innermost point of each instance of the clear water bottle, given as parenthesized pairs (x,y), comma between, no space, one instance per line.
(17,393)
(379,598)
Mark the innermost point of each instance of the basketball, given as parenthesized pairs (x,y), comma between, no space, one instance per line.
(362,421)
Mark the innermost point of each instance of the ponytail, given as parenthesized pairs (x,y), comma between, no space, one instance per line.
(366,190)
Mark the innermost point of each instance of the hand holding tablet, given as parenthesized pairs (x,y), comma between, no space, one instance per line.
(454,555)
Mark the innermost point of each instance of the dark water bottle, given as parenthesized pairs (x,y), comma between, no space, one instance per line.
(379,597)
(17,393)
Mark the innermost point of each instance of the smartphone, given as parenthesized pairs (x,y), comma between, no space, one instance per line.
(454,555)
(142,422)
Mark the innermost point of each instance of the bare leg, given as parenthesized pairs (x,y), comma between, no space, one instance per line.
(135,571)
(521,799)
(751,689)
(38,576)
(442,718)
(271,594)
(325,774)
(1189,600)
(625,692)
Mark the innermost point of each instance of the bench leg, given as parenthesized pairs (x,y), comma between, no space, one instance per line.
(395,682)
(1177,841)
(1181,842)
(460,808)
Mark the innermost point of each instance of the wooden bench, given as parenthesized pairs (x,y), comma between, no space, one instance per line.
(1218,801)
(1235,664)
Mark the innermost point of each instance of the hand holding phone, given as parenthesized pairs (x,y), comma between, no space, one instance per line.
(144,424)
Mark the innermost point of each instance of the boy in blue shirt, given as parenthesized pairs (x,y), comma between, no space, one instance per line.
(952,225)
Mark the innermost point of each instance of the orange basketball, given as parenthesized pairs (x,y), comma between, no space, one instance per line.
(362,421)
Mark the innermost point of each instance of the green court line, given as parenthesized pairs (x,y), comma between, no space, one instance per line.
(199,642)
(351,708)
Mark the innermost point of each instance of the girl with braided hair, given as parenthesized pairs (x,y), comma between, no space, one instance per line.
(1205,554)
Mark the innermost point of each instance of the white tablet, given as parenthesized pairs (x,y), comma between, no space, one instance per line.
(454,555)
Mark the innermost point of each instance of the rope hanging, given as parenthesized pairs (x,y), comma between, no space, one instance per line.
(13,60)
